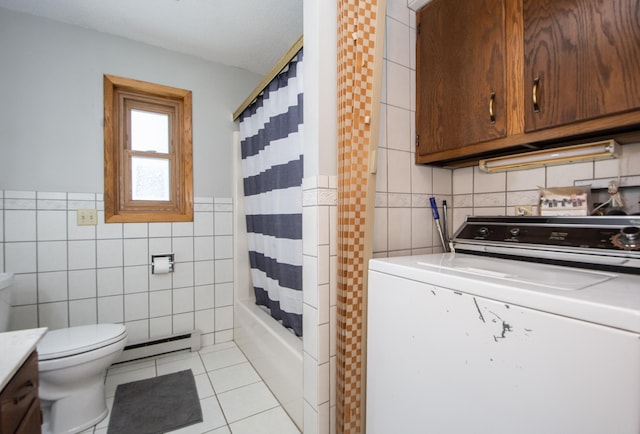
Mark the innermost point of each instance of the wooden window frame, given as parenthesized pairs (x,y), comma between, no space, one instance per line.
(120,96)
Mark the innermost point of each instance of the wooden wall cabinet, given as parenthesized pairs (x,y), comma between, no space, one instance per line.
(582,60)
(461,92)
(19,402)
(561,71)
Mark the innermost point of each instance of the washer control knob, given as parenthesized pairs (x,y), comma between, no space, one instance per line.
(483,232)
(628,238)
(514,232)
(630,233)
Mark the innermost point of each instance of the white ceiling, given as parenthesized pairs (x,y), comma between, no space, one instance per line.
(249,34)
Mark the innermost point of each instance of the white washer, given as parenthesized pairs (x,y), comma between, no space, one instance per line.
(459,343)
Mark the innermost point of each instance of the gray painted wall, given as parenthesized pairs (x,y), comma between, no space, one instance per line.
(51,112)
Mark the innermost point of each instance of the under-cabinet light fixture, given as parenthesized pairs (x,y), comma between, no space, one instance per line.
(590,151)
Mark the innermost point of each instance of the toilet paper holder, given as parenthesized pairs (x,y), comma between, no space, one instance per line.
(168,256)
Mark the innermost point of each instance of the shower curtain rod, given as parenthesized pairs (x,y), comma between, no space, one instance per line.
(284,61)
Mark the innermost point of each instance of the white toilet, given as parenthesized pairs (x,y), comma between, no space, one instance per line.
(72,363)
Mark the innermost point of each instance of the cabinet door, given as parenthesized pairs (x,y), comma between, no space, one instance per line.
(19,400)
(460,74)
(582,60)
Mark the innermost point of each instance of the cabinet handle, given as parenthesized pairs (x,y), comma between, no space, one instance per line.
(534,94)
(23,392)
(492,115)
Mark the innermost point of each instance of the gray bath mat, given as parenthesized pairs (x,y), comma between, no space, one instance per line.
(155,405)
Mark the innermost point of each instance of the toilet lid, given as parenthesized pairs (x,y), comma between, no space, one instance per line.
(76,340)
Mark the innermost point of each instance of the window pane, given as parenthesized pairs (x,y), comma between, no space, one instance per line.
(150,179)
(149,131)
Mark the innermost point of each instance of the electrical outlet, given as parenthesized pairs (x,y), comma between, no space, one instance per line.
(87,217)
(523,210)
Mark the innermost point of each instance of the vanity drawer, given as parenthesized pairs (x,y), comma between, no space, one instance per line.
(31,424)
(19,403)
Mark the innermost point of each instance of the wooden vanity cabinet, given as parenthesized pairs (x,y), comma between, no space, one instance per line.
(19,402)
(460,95)
(563,71)
(582,60)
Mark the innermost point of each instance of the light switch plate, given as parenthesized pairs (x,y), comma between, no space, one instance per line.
(87,217)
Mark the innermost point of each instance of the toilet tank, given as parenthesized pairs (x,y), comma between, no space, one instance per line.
(6,279)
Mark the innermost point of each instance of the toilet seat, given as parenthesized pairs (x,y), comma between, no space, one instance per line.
(77,340)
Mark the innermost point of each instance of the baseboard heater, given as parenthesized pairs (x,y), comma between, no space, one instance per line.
(155,347)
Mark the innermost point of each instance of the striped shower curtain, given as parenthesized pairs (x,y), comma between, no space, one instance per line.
(271,144)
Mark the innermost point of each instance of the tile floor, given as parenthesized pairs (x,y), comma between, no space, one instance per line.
(233,397)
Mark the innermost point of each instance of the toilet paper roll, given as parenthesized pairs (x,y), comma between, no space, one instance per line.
(161,265)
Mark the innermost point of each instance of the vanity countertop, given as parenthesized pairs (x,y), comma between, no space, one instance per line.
(16,347)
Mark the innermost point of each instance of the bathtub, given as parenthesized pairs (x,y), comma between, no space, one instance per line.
(274,352)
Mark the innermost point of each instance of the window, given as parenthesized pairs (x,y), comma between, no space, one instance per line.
(147,152)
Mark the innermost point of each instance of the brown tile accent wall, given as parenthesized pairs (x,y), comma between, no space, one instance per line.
(359,81)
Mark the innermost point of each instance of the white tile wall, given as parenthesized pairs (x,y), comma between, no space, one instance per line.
(398,85)
(82,254)
(52,286)
(160,303)
(110,281)
(319,298)
(20,257)
(204,297)
(403,220)
(20,225)
(25,289)
(135,230)
(72,275)
(479,193)
(82,312)
(136,279)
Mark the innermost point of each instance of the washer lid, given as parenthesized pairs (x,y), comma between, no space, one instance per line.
(608,299)
(518,273)
(76,340)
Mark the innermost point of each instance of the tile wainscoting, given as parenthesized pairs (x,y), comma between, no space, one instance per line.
(480,193)
(68,275)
